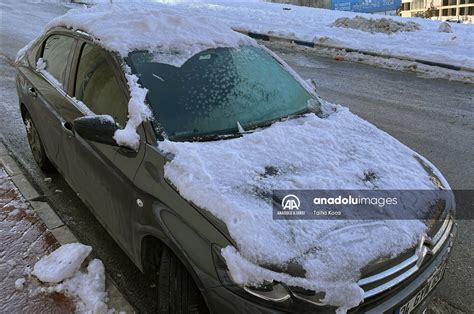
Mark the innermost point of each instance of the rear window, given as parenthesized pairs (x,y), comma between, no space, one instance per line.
(55,53)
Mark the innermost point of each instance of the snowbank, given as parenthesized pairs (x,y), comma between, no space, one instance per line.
(312,24)
(374,25)
(62,267)
(229,179)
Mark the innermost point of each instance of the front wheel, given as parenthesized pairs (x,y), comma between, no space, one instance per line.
(177,291)
(36,145)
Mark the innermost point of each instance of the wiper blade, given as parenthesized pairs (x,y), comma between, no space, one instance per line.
(240,128)
(250,129)
(214,137)
(241,131)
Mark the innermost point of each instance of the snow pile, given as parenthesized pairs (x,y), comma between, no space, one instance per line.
(444,27)
(382,25)
(229,179)
(89,287)
(19,284)
(62,263)
(61,267)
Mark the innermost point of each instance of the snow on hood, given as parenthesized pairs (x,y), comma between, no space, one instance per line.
(310,153)
(169,31)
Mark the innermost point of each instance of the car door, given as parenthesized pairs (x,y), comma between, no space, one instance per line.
(46,94)
(103,174)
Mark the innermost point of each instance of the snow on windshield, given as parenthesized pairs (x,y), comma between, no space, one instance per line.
(227,178)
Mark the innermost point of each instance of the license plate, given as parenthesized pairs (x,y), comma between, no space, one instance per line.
(423,293)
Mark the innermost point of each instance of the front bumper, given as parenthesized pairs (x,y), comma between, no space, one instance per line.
(222,300)
(392,302)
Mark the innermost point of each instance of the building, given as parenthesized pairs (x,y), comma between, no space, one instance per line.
(445,10)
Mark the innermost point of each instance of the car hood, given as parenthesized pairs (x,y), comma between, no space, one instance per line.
(337,152)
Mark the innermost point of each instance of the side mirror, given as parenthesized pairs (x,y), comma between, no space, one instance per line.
(100,129)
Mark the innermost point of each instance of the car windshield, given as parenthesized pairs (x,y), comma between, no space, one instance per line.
(218,90)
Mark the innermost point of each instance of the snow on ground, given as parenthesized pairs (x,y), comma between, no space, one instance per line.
(308,153)
(61,270)
(19,283)
(311,24)
(62,263)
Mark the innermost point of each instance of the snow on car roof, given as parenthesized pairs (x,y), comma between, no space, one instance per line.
(169,31)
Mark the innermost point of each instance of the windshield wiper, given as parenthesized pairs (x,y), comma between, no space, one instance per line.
(240,130)
(211,137)
(252,128)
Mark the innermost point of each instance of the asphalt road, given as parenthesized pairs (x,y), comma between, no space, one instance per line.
(434,117)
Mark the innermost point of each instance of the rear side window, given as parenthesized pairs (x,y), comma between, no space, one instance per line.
(55,53)
(97,85)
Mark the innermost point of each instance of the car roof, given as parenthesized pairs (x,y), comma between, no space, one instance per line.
(167,30)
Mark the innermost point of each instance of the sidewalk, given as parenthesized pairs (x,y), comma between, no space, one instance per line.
(23,240)
(29,230)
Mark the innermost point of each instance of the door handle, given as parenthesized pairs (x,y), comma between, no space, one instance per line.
(32,92)
(67,127)
(127,152)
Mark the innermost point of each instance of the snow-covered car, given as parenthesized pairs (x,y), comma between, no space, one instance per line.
(175,130)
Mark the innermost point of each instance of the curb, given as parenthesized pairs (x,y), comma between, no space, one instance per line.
(55,225)
(309,44)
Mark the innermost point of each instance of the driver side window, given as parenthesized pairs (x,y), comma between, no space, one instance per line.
(97,87)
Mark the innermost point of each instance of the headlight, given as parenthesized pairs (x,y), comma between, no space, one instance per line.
(272,294)
(268,291)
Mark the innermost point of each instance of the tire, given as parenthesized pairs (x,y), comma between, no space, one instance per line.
(177,291)
(36,144)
